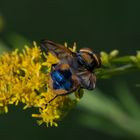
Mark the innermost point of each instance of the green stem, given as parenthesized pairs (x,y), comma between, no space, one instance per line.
(117,66)
(122,60)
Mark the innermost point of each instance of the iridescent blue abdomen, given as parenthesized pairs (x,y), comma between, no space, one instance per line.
(62,79)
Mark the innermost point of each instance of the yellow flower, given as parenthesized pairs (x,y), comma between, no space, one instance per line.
(50,60)
(24,77)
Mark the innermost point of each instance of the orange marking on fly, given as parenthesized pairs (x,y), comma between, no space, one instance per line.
(64,66)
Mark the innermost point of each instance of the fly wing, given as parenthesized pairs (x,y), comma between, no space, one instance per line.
(87,79)
(60,51)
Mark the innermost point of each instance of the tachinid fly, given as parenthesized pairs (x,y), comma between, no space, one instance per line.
(74,70)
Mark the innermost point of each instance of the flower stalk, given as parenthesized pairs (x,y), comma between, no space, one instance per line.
(112,64)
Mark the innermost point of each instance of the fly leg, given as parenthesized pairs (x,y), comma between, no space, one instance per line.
(61,94)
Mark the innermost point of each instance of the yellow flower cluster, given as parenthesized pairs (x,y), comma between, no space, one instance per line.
(24,78)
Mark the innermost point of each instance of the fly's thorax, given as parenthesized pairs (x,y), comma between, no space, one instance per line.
(88,59)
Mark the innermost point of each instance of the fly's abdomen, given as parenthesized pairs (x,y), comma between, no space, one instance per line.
(61,79)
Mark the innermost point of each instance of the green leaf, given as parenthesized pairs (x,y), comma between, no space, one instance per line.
(105,107)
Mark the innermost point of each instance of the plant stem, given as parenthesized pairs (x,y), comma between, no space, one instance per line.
(118,65)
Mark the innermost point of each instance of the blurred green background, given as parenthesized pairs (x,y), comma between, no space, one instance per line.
(112,111)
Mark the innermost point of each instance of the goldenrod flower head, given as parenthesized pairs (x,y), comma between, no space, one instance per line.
(24,77)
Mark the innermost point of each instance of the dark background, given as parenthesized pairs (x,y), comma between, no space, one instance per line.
(103,25)
(98,24)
